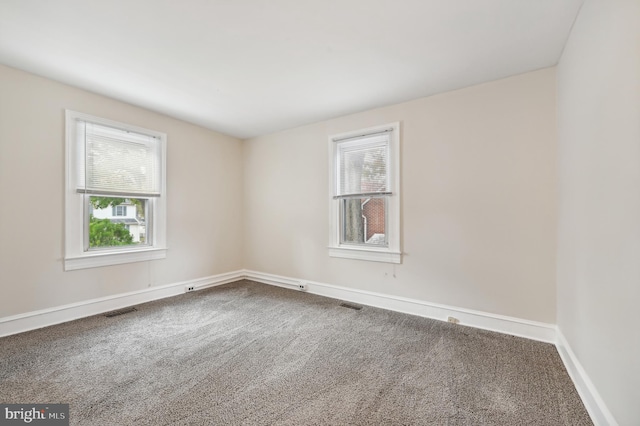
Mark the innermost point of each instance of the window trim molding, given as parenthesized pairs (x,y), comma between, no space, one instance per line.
(392,253)
(75,257)
(97,259)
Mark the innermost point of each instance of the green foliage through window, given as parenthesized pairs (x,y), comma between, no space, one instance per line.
(104,233)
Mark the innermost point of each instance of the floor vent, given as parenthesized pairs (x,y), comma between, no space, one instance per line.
(119,312)
(350,306)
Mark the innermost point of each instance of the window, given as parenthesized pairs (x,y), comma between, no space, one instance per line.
(118,210)
(365,197)
(115,193)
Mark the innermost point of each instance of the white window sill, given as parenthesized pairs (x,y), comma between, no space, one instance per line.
(98,259)
(373,255)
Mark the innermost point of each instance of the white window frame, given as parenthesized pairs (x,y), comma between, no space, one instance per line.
(392,253)
(75,255)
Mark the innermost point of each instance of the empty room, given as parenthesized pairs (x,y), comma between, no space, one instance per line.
(365,212)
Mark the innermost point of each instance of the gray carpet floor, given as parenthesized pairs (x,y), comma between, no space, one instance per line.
(252,354)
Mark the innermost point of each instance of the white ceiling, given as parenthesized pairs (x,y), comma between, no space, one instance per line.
(250,67)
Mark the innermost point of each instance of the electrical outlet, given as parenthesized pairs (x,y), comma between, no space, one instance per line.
(189,288)
(453,320)
(302,286)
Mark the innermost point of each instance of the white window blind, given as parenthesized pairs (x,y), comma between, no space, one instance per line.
(117,162)
(362,166)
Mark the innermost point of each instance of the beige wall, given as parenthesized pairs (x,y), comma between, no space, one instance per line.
(599,200)
(204,187)
(478,188)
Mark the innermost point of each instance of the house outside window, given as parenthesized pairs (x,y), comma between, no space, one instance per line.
(129,215)
(365,196)
(115,207)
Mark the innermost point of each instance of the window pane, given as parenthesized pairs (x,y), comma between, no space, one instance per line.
(364,221)
(117,221)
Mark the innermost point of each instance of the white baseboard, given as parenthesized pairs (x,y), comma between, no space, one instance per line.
(503,324)
(600,414)
(46,317)
(544,332)
(484,320)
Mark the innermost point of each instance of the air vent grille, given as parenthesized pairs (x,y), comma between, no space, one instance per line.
(119,312)
(350,306)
